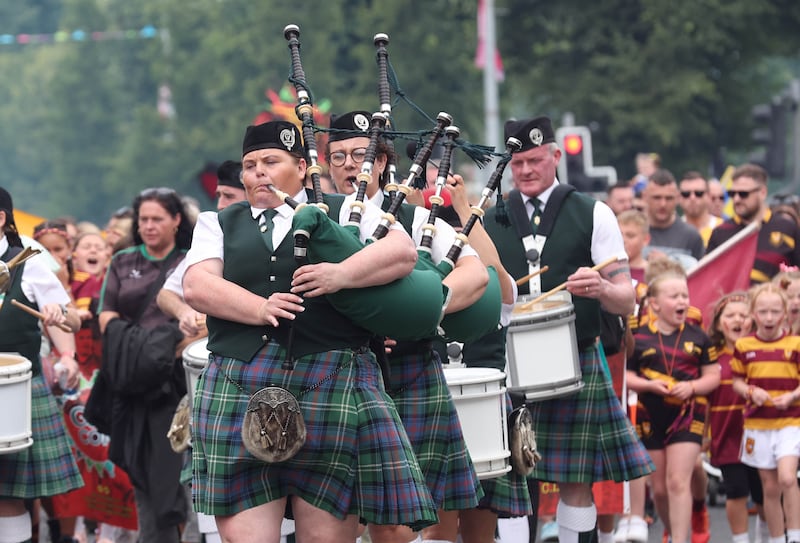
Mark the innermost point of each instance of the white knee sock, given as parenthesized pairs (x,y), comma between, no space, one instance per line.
(605,537)
(15,529)
(572,521)
(513,530)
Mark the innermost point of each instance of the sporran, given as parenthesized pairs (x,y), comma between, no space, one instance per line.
(522,441)
(273,428)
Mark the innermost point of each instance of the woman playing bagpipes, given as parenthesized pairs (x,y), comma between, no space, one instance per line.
(291,406)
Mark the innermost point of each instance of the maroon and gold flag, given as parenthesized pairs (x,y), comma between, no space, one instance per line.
(723,270)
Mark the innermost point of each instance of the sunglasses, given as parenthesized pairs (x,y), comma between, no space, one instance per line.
(717,198)
(697,193)
(741,193)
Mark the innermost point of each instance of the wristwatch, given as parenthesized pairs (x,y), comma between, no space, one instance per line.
(63,309)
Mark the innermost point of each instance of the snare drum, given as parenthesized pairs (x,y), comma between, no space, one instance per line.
(15,398)
(195,360)
(479,396)
(542,349)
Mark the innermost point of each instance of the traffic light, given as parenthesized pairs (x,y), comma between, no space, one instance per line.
(770,134)
(576,165)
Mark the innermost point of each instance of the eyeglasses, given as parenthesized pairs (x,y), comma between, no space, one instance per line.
(697,193)
(338,158)
(742,193)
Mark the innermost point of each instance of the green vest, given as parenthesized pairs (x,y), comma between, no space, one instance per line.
(567,248)
(20,331)
(248,263)
(405,215)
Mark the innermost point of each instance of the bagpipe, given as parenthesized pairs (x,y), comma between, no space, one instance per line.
(407,308)
(412,307)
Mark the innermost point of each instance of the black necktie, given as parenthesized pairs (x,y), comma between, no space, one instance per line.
(265,226)
(536,217)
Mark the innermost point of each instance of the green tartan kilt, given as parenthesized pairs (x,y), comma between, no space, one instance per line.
(423,400)
(586,437)
(46,468)
(356,460)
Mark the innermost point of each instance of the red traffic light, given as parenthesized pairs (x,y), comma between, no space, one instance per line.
(573,144)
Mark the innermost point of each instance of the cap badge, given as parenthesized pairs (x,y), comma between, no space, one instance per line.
(536,136)
(361,122)
(287,138)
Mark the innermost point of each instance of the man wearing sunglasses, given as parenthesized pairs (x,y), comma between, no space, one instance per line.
(778,236)
(669,235)
(695,201)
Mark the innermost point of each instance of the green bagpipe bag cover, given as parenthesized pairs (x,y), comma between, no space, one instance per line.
(407,308)
(477,320)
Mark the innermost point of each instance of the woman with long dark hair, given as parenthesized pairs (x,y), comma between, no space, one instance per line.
(161,234)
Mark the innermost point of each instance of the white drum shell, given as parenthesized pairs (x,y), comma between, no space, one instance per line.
(542,350)
(479,397)
(195,360)
(15,402)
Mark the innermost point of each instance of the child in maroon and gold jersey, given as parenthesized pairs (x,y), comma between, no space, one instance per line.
(765,372)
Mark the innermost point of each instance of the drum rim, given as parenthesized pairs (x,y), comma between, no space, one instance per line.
(195,363)
(472,374)
(550,314)
(16,445)
(21,366)
(189,350)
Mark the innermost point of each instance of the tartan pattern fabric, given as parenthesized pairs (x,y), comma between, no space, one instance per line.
(47,467)
(423,401)
(586,437)
(507,495)
(356,459)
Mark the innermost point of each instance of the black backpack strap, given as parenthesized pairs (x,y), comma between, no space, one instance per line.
(552,208)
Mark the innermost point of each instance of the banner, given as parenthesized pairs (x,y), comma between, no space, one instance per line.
(723,270)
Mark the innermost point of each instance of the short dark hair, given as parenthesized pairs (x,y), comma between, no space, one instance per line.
(662,177)
(751,170)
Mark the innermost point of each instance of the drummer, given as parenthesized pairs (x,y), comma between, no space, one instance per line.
(585,437)
(416,383)
(356,460)
(47,467)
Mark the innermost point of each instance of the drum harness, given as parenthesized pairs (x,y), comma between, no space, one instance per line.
(534,244)
(522,440)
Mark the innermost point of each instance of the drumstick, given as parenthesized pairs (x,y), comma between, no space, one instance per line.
(39,315)
(527,305)
(522,280)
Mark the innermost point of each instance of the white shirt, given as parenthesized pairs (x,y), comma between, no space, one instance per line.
(606,235)
(174,281)
(39,284)
(442,241)
(208,237)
